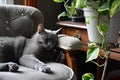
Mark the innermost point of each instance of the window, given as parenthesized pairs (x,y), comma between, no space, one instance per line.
(6,2)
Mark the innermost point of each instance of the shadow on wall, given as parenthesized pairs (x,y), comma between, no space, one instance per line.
(50,11)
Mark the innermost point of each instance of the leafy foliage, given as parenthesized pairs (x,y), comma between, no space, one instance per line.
(103,29)
(88,76)
(58,1)
(92,52)
(69,7)
(81,4)
(105,6)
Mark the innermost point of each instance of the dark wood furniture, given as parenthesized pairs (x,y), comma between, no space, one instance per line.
(79,28)
(30,3)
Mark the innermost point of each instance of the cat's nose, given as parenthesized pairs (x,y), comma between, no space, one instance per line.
(49,48)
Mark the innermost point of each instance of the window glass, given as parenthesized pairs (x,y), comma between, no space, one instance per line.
(2,2)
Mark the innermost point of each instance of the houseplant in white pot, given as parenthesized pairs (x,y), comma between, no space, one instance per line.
(91,14)
(105,7)
(97,9)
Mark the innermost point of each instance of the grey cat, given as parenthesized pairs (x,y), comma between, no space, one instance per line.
(31,53)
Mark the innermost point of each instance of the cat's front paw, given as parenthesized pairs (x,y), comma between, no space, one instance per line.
(43,68)
(13,67)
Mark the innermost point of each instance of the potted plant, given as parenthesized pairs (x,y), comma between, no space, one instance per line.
(90,8)
(93,10)
(70,10)
(104,7)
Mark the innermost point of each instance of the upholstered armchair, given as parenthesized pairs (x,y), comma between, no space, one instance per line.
(18,20)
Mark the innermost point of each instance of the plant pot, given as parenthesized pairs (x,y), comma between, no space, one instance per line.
(91,17)
(77,19)
(64,18)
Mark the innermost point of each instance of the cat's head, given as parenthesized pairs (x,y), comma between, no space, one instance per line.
(47,38)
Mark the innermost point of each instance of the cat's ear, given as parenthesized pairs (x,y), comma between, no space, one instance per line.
(53,31)
(40,28)
(57,31)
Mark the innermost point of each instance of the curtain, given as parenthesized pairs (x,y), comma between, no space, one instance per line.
(6,2)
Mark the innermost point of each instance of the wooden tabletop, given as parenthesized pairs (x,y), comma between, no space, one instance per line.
(72,24)
(115,53)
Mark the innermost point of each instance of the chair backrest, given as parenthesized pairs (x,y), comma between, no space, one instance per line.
(18,20)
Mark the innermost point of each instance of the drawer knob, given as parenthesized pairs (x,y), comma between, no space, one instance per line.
(77,35)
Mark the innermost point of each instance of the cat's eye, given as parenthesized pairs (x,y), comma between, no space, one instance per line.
(40,42)
(47,40)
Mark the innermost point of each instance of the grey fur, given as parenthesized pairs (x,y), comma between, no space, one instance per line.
(31,53)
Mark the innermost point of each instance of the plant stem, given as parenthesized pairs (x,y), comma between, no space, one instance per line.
(106,55)
(105,65)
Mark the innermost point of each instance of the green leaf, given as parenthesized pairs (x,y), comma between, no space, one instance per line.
(87,21)
(80,4)
(88,76)
(62,15)
(103,29)
(70,11)
(104,7)
(115,7)
(58,1)
(92,52)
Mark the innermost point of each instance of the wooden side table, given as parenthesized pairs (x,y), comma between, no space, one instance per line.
(79,28)
(30,3)
(73,29)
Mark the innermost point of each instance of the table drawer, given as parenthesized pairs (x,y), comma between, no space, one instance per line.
(81,32)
